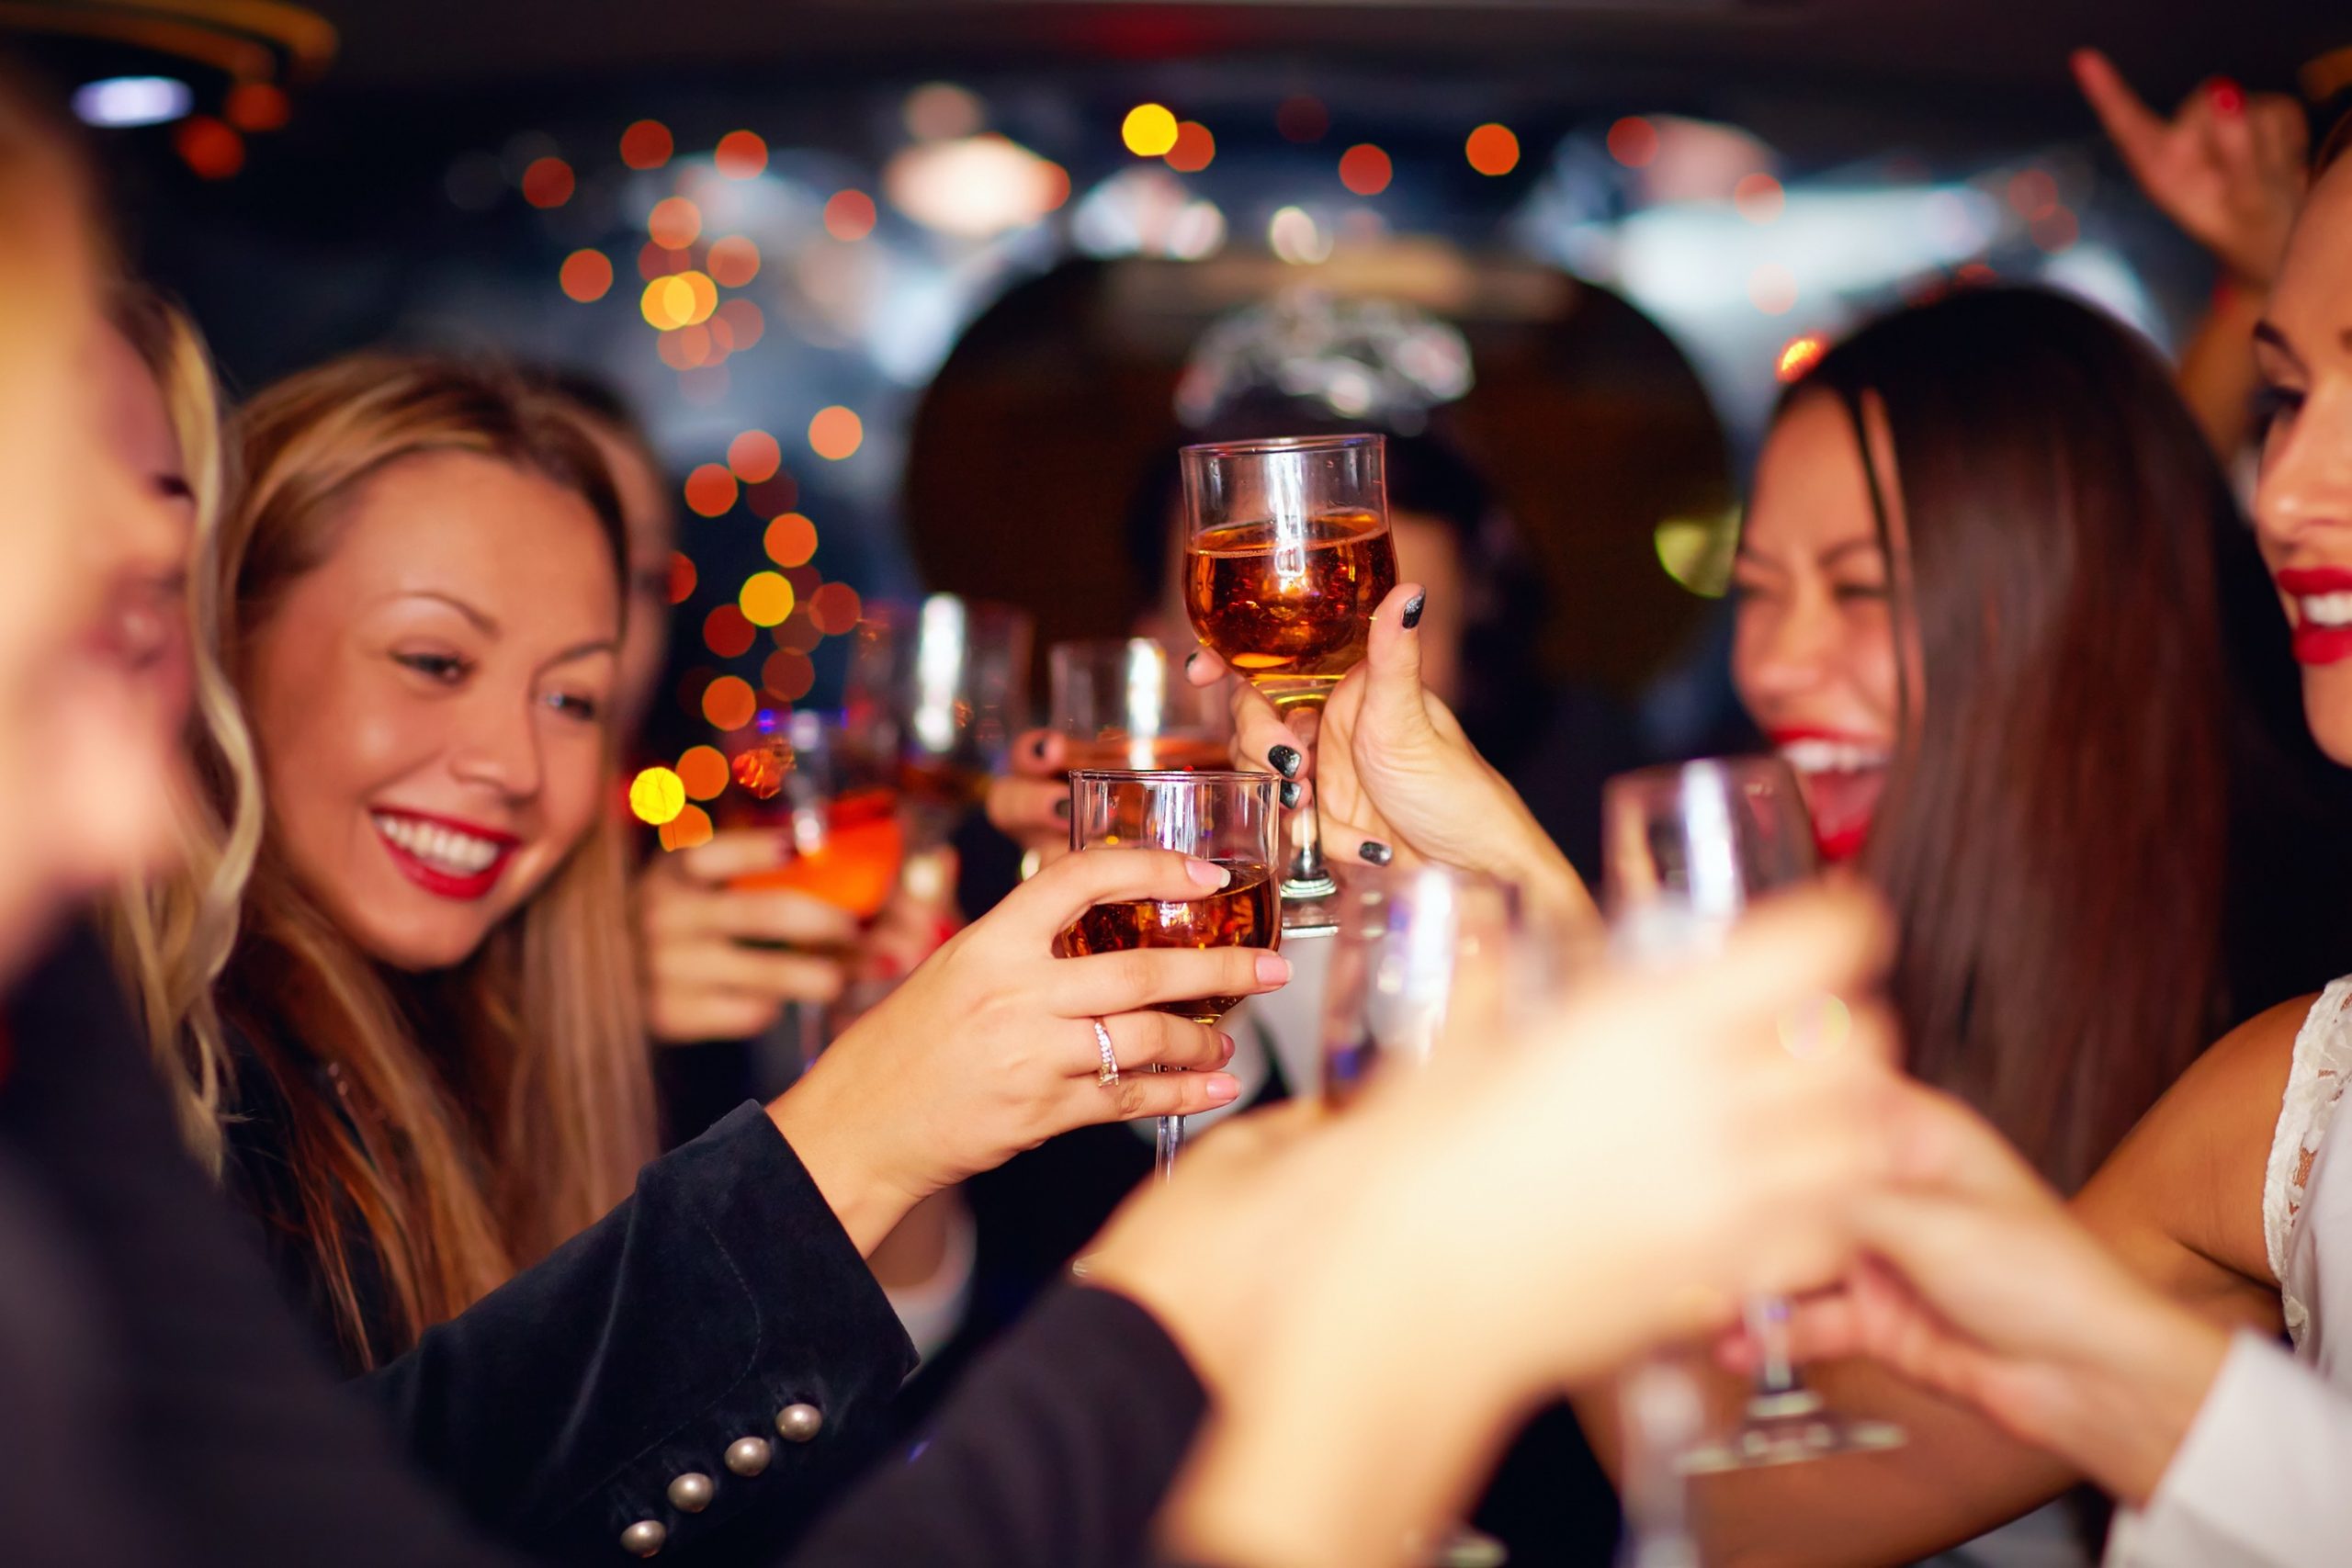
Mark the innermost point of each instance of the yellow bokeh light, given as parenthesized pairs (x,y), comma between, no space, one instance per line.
(702,292)
(1798,355)
(1149,130)
(836,433)
(657,796)
(766,598)
(668,303)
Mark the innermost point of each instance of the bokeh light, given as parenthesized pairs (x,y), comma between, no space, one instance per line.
(1492,150)
(655,261)
(703,292)
(1798,355)
(2033,193)
(734,261)
(646,144)
(765,599)
(836,433)
(656,795)
(754,455)
(744,323)
(1632,142)
(1302,117)
(740,154)
(691,828)
(834,608)
(703,771)
(727,632)
(1364,169)
(2056,231)
(682,577)
(211,149)
(1149,130)
(668,303)
(849,215)
(675,222)
(941,111)
(710,490)
(789,674)
(798,632)
(684,348)
(1773,289)
(587,275)
(1296,238)
(257,106)
(548,182)
(1758,198)
(790,540)
(1194,150)
(728,703)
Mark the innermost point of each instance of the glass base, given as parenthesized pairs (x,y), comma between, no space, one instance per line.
(1789,1428)
(1459,1547)
(1310,906)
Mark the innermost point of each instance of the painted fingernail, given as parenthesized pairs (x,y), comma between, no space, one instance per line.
(1220,1088)
(1285,760)
(1291,794)
(1412,615)
(1272,968)
(1061,809)
(2229,99)
(1191,659)
(1037,747)
(1374,853)
(1207,874)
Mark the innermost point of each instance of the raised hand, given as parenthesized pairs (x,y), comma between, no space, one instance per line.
(2228,167)
(701,980)
(1029,803)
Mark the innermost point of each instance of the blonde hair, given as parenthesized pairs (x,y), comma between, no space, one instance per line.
(461,1163)
(172,936)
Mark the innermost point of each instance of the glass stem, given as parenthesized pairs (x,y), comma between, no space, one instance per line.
(1307,868)
(1767,1324)
(1169,1143)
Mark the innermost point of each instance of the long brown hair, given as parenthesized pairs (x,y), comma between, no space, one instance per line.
(2053,836)
(530,1114)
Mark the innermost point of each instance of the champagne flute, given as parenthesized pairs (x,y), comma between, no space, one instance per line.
(1287,553)
(1228,818)
(1121,704)
(1685,849)
(940,685)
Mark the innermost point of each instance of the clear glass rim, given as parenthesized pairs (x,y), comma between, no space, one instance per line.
(1172,775)
(1199,450)
(1739,765)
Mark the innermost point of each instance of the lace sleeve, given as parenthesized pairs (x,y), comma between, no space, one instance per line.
(2314,1086)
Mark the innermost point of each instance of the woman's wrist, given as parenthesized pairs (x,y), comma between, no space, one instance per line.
(2137,1394)
(853,1178)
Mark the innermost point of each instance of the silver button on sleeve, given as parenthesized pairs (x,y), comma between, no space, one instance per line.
(644,1537)
(799,1423)
(748,1456)
(692,1491)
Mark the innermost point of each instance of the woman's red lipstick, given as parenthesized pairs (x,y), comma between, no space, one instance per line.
(423,845)
(2322,620)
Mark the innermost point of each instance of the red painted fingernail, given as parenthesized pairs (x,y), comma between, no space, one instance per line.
(2229,99)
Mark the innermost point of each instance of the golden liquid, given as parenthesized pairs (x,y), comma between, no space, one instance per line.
(1290,607)
(1243,913)
(1147,753)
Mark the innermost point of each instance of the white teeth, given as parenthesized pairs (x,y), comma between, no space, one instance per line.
(443,848)
(2327,609)
(1831,757)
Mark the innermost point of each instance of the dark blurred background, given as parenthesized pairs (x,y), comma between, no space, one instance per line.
(915,241)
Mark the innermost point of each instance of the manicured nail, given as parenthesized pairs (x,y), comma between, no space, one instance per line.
(1285,760)
(1220,1088)
(1037,747)
(1412,615)
(1191,659)
(1374,853)
(2229,99)
(1291,794)
(1272,968)
(1061,809)
(1207,874)
(1224,1044)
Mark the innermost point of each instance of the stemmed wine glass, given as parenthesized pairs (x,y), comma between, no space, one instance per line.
(940,685)
(1685,849)
(1120,703)
(1287,553)
(1228,818)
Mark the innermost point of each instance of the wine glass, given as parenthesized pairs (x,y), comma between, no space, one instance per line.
(1685,849)
(811,774)
(1228,818)
(940,685)
(1286,555)
(1120,703)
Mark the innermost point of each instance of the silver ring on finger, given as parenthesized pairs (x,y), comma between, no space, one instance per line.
(1108,1073)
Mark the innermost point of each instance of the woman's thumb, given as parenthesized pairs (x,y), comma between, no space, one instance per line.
(1393,708)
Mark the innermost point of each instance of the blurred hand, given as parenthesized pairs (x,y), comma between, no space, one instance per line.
(1030,804)
(2228,168)
(1981,1286)
(989,1048)
(701,982)
(1393,770)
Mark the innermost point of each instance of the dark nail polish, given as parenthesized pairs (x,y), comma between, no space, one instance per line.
(1291,793)
(1374,853)
(1285,760)
(1412,615)
(1037,747)
(1191,659)
(1061,809)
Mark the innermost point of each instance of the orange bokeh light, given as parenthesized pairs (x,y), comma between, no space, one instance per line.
(754,455)
(1364,169)
(1758,198)
(646,144)
(710,490)
(789,674)
(682,578)
(257,106)
(675,222)
(734,261)
(1632,142)
(797,632)
(2056,230)
(836,433)
(744,323)
(1798,355)
(727,633)
(729,702)
(548,182)
(849,215)
(690,828)
(656,261)
(587,275)
(1196,149)
(834,608)
(1492,150)
(2034,194)
(703,770)
(209,148)
(791,540)
(740,154)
